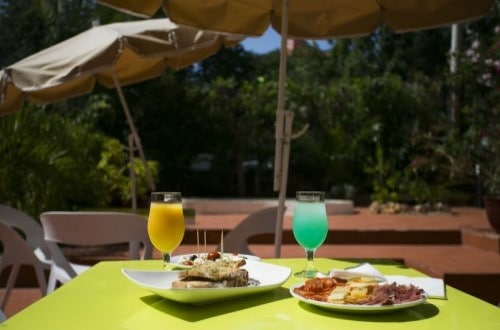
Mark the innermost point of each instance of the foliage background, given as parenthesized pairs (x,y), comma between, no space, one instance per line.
(383,125)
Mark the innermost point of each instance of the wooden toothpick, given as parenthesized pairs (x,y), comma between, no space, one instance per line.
(205,240)
(197,243)
(222,241)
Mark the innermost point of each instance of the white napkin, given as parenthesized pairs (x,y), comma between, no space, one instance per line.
(434,287)
(361,270)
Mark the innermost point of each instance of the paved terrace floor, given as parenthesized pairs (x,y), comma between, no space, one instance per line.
(459,247)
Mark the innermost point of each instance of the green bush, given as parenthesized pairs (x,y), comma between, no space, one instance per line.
(48,162)
(53,162)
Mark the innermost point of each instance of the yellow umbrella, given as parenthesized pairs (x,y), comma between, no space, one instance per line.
(305,19)
(310,19)
(113,55)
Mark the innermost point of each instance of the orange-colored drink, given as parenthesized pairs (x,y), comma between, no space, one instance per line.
(166,225)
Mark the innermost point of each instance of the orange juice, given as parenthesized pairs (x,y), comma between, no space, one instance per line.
(166,226)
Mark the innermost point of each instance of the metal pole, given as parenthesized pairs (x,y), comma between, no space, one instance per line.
(133,131)
(280,176)
(133,181)
(455,47)
(281,99)
(287,140)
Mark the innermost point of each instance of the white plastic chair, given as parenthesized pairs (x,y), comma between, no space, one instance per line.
(31,250)
(30,228)
(256,223)
(91,229)
(16,253)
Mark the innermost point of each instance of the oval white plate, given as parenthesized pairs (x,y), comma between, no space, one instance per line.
(159,282)
(349,308)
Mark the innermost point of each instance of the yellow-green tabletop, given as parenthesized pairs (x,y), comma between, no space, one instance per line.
(103,298)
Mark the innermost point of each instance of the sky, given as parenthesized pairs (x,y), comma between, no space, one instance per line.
(269,41)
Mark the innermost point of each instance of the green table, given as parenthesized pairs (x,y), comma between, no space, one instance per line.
(102,298)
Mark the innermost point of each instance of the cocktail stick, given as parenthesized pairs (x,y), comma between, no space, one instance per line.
(222,241)
(197,243)
(205,240)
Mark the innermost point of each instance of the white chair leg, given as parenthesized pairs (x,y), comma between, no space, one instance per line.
(51,285)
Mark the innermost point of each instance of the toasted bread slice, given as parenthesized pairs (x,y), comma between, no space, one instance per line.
(219,273)
(196,284)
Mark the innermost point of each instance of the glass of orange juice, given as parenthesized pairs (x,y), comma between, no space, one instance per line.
(166,223)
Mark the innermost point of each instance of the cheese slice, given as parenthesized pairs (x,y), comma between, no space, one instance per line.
(356,289)
(338,294)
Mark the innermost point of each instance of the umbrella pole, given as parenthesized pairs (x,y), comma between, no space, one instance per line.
(279,175)
(133,183)
(287,140)
(281,99)
(133,130)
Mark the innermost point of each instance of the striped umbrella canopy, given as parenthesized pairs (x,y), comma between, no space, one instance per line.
(113,55)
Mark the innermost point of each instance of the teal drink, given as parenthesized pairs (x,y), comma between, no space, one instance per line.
(310,226)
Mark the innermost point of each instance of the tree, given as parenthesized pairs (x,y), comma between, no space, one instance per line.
(48,163)
(39,24)
(29,26)
(377,103)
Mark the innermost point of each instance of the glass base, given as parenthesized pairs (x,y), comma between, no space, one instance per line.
(306,273)
(310,270)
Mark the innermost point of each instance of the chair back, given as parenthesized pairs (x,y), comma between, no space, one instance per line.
(16,252)
(15,248)
(88,229)
(97,228)
(30,228)
(259,222)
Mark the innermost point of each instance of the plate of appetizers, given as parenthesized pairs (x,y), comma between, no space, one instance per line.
(211,281)
(358,295)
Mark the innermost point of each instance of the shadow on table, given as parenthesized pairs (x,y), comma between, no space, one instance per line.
(416,313)
(213,309)
(399,263)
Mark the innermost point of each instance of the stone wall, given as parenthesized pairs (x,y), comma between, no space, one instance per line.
(244,206)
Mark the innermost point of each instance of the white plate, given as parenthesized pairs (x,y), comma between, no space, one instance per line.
(350,308)
(159,282)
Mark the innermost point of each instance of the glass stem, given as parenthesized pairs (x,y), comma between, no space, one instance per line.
(166,260)
(310,269)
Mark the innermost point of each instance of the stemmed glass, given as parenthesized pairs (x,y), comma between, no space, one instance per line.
(166,223)
(310,226)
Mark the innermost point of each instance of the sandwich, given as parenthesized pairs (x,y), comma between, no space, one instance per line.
(220,273)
